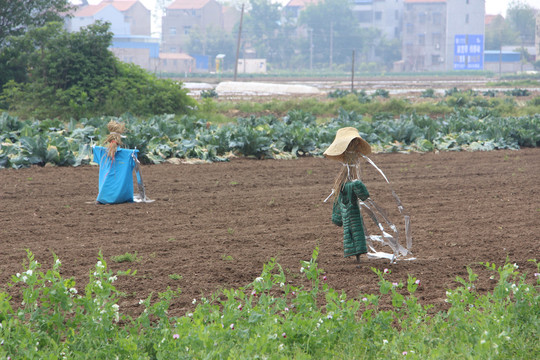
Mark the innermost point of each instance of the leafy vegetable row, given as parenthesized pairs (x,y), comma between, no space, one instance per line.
(26,143)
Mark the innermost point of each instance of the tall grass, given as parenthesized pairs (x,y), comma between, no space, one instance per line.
(270,318)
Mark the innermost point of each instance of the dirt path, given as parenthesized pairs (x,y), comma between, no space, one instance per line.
(217,224)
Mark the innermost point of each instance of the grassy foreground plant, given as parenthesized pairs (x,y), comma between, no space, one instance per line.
(270,318)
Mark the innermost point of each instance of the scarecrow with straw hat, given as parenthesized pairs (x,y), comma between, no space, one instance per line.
(348,148)
(116,167)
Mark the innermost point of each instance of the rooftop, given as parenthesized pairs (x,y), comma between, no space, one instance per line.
(187,4)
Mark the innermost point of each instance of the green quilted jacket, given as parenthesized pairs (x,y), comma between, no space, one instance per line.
(346,213)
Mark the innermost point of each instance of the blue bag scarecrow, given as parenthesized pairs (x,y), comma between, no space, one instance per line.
(116,167)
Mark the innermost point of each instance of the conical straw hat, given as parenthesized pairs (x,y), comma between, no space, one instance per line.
(344,137)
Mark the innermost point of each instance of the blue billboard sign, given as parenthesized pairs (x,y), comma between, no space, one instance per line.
(469,52)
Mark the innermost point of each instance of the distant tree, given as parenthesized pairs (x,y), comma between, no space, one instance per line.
(17,16)
(388,51)
(261,25)
(500,33)
(521,17)
(211,42)
(56,73)
(335,31)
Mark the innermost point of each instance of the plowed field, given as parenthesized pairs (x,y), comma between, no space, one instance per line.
(217,224)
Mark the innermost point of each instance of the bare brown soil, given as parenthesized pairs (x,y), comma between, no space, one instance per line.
(217,224)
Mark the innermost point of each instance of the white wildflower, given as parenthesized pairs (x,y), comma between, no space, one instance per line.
(281,347)
(141,302)
(385,341)
(73,290)
(113,278)
(281,284)
(57,262)
(29,272)
(18,275)
(99,264)
(194,301)
(302,269)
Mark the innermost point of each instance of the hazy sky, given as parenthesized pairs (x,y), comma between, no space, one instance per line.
(493,7)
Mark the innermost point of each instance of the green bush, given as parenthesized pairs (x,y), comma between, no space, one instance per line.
(74,75)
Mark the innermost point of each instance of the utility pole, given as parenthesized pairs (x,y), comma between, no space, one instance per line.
(331,42)
(238,43)
(352,71)
(500,55)
(310,49)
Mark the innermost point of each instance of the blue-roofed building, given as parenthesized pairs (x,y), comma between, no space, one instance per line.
(139,50)
(504,61)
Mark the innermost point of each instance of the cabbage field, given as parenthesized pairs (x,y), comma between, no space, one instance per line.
(34,142)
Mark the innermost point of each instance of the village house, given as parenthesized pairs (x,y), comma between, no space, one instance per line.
(184,16)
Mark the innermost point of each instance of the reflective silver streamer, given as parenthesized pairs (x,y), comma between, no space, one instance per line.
(372,209)
(141,196)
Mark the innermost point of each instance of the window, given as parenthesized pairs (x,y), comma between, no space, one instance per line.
(436,38)
(378,15)
(172,49)
(172,31)
(408,48)
(364,16)
(422,18)
(437,18)
(186,30)
(410,28)
(421,39)
(466,18)
(396,15)
(435,59)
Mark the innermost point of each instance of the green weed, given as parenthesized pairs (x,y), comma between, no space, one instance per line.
(271,318)
(127,257)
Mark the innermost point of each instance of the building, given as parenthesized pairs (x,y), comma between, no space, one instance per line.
(105,11)
(136,15)
(465,29)
(184,16)
(251,66)
(383,15)
(127,17)
(294,7)
(140,50)
(443,35)
(175,63)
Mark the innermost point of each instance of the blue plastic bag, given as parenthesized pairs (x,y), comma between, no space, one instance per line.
(115,177)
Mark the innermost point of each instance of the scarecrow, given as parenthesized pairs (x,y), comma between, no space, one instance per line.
(347,148)
(116,167)
(352,195)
